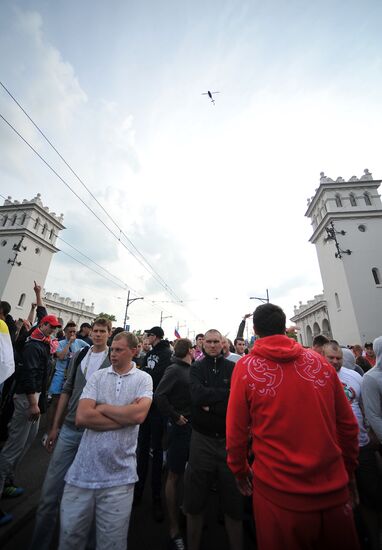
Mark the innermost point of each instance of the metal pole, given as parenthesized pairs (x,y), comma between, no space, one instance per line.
(267,296)
(127,307)
(161,318)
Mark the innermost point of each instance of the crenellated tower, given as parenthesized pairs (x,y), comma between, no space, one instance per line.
(346,218)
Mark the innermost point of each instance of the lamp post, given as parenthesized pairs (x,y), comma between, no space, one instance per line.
(128,302)
(162,318)
(264,300)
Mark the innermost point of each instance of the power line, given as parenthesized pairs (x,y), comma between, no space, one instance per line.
(160,279)
(153,274)
(123,285)
(141,259)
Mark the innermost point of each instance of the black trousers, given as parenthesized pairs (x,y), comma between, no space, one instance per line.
(150,436)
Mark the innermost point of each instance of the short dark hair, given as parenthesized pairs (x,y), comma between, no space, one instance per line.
(200,335)
(5,307)
(269,319)
(181,347)
(103,322)
(85,325)
(70,324)
(238,339)
(368,345)
(320,340)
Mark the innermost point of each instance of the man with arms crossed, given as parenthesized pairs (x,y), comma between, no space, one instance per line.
(100,482)
(304,440)
(64,437)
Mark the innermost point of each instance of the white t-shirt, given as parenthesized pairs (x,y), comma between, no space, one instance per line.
(92,362)
(107,459)
(352,383)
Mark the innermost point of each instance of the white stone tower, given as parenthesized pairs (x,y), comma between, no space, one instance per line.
(346,218)
(28,233)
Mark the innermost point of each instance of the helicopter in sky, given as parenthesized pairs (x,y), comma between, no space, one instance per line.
(210,94)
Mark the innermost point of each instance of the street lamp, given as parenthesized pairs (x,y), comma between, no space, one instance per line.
(264,300)
(128,302)
(163,318)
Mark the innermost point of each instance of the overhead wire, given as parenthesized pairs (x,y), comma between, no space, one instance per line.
(121,284)
(143,260)
(153,274)
(168,288)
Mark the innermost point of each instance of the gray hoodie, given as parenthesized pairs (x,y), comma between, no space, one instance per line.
(372,391)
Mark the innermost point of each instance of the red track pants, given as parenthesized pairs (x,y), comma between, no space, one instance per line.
(281,529)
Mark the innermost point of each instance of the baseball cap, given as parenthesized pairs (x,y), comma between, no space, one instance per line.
(52,320)
(156,331)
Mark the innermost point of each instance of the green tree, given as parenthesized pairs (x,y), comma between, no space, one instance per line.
(107,316)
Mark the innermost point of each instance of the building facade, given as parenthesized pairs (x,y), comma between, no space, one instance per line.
(312,319)
(28,234)
(346,218)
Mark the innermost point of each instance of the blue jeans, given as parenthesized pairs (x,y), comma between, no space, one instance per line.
(53,487)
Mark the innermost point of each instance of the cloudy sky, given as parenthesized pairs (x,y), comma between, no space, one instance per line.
(213,197)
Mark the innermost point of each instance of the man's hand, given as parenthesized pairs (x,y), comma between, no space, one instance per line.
(244,484)
(354,496)
(37,288)
(247,315)
(182,420)
(27,324)
(51,439)
(206,408)
(33,413)
(72,338)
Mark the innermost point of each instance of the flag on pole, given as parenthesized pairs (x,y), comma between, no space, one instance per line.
(176,334)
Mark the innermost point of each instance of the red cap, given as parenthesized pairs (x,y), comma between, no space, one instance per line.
(52,320)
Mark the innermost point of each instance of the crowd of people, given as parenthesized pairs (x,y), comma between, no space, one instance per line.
(295,431)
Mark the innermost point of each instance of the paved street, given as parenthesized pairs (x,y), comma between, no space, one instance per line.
(145,533)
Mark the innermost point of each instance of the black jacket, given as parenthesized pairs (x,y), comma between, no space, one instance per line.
(210,380)
(157,360)
(172,395)
(31,371)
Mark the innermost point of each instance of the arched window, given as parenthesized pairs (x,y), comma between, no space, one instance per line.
(51,234)
(44,228)
(337,299)
(22,221)
(309,337)
(338,201)
(326,328)
(367,199)
(316,329)
(14,219)
(36,223)
(353,202)
(376,275)
(5,219)
(22,300)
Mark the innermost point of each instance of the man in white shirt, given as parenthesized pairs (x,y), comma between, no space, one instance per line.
(367,474)
(100,482)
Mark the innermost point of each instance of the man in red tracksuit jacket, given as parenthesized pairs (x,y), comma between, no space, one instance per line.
(304,439)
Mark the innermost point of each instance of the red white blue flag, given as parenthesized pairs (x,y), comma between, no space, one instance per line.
(176,334)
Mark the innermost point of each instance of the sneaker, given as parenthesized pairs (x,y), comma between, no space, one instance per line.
(10,491)
(158,511)
(176,543)
(5,518)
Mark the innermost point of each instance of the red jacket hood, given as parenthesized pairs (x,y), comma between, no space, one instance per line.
(278,348)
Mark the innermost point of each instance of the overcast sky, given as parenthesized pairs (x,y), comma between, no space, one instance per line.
(213,196)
